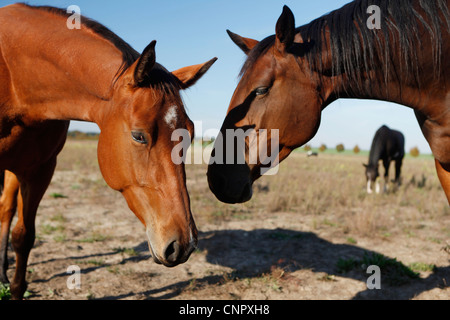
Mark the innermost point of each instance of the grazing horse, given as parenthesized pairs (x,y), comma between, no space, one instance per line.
(387,145)
(290,77)
(49,75)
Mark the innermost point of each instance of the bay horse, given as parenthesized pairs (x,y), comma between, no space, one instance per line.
(289,78)
(49,75)
(388,145)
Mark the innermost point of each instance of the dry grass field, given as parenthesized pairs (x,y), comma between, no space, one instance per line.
(309,233)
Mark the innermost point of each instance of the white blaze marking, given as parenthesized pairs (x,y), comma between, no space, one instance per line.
(171,117)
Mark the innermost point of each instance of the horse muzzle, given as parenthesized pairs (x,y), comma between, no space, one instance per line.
(173,251)
(230,184)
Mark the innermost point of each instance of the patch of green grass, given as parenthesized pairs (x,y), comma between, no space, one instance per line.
(49,229)
(56,195)
(5,293)
(328,223)
(272,280)
(345,265)
(129,251)
(60,238)
(420,266)
(95,262)
(95,237)
(59,218)
(435,240)
(90,296)
(193,285)
(113,269)
(393,272)
(241,216)
(217,213)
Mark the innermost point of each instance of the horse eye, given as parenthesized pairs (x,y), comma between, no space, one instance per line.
(138,137)
(261,91)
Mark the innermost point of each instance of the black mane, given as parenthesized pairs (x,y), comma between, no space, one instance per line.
(356,49)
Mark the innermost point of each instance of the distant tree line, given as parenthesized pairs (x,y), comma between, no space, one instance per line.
(79,135)
(414,152)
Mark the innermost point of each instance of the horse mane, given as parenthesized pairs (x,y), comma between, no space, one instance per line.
(355,49)
(161,79)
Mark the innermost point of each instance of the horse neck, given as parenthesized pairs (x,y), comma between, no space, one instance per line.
(415,77)
(375,152)
(57,73)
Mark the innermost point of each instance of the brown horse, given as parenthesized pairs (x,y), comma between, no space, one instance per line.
(290,77)
(50,74)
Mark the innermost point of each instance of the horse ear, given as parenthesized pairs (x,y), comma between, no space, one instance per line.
(365,165)
(188,76)
(285,30)
(246,44)
(144,65)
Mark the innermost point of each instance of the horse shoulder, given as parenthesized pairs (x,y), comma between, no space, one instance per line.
(437,133)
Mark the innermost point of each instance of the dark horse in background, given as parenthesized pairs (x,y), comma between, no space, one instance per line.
(289,78)
(387,145)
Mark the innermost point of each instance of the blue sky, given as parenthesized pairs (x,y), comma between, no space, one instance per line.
(193,31)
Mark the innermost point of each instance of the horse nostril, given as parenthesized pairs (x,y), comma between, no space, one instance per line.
(172,252)
(246,193)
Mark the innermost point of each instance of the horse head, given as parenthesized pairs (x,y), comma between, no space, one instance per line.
(135,148)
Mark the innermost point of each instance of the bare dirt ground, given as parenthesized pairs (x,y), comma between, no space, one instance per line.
(308,233)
